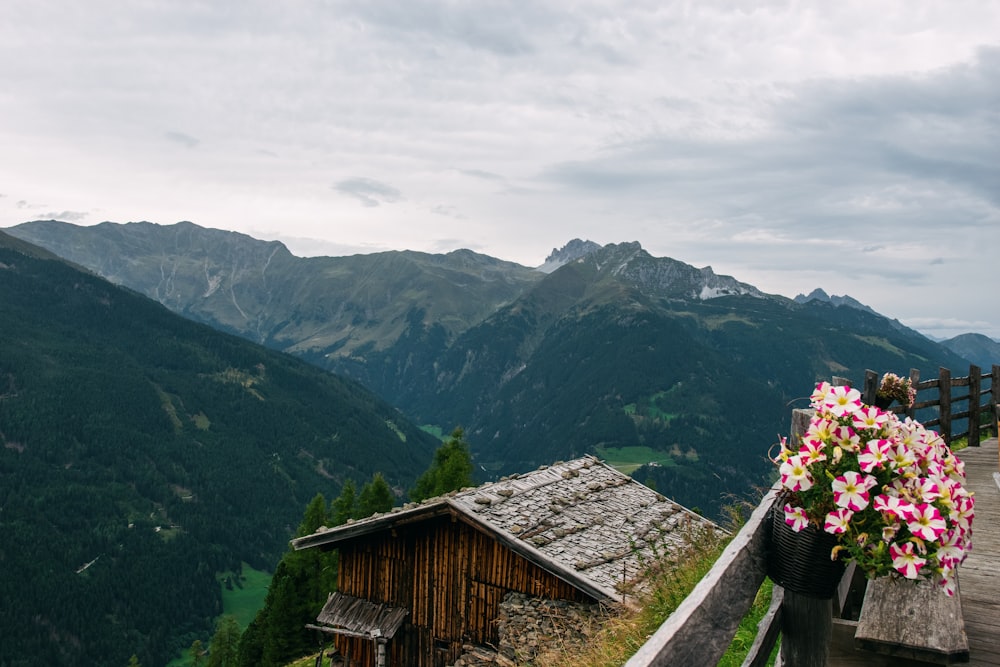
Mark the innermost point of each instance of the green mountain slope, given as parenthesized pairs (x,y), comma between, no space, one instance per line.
(599,357)
(140,453)
(318,306)
(613,350)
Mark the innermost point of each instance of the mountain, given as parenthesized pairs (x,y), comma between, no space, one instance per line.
(573,250)
(614,351)
(819,294)
(142,453)
(976,348)
(317,306)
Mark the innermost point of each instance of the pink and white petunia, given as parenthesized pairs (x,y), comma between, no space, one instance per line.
(796,518)
(869,418)
(850,490)
(905,560)
(927,489)
(925,522)
(812,451)
(838,521)
(846,438)
(874,455)
(946,580)
(901,457)
(951,550)
(841,401)
(820,430)
(794,474)
(820,393)
(887,505)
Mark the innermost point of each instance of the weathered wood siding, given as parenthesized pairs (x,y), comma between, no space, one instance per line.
(451,576)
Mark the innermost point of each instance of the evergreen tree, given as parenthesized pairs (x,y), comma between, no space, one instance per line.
(134,661)
(299,588)
(315,516)
(375,496)
(197,652)
(224,648)
(344,506)
(450,470)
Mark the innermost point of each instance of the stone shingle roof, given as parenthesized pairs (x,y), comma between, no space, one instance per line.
(582,520)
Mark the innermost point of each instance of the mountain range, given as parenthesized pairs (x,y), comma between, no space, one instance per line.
(607,350)
(142,453)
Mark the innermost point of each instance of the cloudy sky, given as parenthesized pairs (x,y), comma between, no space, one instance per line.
(850,145)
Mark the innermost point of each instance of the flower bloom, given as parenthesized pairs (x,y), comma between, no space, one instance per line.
(796,518)
(812,451)
(925,522)
(794,474)
(905,560)
(838,521)
(901,457)
(842,401)
(887,505)
(850,490)
(821,393)
(846,438)
(869,417)
(874,455)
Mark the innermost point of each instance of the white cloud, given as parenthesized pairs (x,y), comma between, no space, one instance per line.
(791,145)
(368,191)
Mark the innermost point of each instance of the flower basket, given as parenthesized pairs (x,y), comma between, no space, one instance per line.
(800,561)
(888,491)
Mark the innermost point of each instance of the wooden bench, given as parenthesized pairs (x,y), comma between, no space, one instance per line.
(912,621)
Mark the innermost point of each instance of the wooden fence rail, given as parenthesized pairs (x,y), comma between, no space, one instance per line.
(976,402)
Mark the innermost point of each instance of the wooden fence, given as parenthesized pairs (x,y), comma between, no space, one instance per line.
(702,627)
(974,404)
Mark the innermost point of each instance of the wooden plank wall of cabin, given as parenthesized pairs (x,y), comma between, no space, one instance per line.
(451,577)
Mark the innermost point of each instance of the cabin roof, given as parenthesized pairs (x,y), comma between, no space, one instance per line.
(581,520)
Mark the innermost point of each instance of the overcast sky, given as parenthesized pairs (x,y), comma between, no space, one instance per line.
(849,145)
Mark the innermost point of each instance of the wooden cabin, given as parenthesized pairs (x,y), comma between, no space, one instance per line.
(418,583)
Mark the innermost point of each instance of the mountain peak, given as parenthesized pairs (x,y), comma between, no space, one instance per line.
(573,250)
(819,295)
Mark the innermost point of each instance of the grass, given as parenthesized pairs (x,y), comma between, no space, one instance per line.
(628,459)
(247,595)
(242,600)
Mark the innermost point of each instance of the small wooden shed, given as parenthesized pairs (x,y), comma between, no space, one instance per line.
(436,572)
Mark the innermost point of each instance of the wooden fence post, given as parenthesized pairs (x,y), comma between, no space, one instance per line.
(995,399)
(914,381)
(870,388)
(944,403)
(806,623)
(975,378)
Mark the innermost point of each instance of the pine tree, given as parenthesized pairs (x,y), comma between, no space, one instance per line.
(300,586)
(197,652)
(450,470)
(375,496)
(344,506)
(224,648)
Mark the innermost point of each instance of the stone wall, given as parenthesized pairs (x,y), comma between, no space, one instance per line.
(530,626)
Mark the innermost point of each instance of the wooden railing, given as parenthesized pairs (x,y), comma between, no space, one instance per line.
(973,404)
(701,629)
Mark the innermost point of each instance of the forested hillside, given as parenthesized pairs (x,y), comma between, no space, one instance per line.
(141,453)
(614,352)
